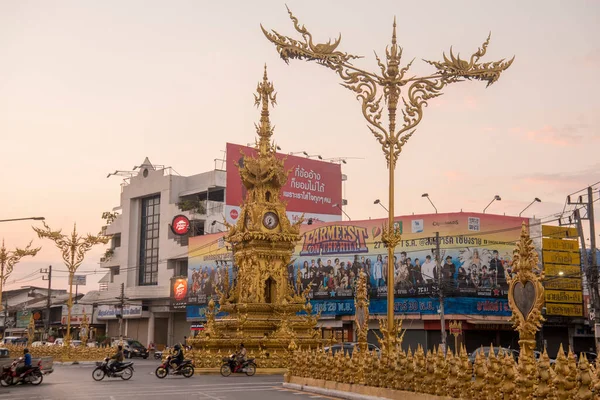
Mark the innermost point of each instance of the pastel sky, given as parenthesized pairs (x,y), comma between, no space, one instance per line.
(88,87)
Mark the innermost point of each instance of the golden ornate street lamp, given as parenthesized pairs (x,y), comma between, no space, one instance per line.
(8,259)
(73,250)
(389,81)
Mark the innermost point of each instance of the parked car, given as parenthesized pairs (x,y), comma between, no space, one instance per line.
(538,355)
(38,344)
(13,340)
(349,347)
(132,348)
(486,352)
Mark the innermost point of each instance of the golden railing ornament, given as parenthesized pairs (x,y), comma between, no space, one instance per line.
(386,84)
(73,248)
(84,330)
(30,330)
(455,330)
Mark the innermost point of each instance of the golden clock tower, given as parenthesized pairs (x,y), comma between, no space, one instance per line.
(262,308)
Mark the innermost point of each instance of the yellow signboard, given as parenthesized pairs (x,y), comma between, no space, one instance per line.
(561,257)
(563,283)
(567,271)
(561,296)
(560,245)
(558,232)
(567,310)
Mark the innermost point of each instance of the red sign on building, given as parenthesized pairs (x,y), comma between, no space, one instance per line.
(180,225)
(313,187)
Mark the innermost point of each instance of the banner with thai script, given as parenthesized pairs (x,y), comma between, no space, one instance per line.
(313,187)
(475,253)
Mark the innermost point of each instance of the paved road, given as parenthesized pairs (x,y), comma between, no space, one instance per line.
(74,382)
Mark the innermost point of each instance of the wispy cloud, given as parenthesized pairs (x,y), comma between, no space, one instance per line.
(571,134)
(563,182)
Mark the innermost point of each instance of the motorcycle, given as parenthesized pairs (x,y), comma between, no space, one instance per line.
(158,355)
(31,375)
(186,368)
(123,371)
(230,365)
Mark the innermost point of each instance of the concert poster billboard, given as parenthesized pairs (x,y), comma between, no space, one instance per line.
(475,252)
(313,187)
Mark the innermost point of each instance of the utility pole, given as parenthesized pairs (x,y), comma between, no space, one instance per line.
(592,229)
(121,299)
(49,301)
(440,290)
(592,279)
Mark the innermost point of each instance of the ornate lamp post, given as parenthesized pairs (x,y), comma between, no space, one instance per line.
(373,87)
(8,259)
(73,250)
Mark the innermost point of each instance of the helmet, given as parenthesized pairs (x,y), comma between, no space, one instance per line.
(25,350)
(177,347)
(241,344)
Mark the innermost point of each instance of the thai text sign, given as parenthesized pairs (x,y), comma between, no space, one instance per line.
(572,271)
(77,312)
(561,257)
(560,245)
(312,187)
(563,283)
(559,232)
(569,310)
(111,311)
(562,296)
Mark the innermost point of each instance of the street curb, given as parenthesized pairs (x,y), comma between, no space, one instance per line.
(265,371)
(74,362)
(330,392)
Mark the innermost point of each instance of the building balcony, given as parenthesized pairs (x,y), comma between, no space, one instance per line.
(111,258)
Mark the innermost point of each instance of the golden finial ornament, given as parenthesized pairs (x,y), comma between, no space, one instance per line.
(73,248)
(584,378)
(379,92)
(525,292)
(8,259)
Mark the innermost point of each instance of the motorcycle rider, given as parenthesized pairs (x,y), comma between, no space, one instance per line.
(240,356)
(178,356)
(118,359)
(26,362)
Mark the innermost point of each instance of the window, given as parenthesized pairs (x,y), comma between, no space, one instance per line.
(148,258)
(116,241)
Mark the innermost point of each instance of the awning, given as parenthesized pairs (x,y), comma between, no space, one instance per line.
(331,323)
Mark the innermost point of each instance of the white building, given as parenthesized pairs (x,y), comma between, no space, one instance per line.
(145,254)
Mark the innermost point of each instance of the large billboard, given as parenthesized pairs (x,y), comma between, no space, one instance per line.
(475,252)
(313,187)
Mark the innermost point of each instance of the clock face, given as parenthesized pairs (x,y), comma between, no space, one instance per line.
(270,220)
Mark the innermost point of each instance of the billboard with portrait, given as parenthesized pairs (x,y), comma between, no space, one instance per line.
(475,252)
(313,187)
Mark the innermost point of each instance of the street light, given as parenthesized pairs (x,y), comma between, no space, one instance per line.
(23,219)
(391,83)
(536,200)
(338,206)
(496,197)
(379,202)
(314,155)
(427,195)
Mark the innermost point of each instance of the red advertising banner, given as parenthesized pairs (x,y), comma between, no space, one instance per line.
(313,187)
